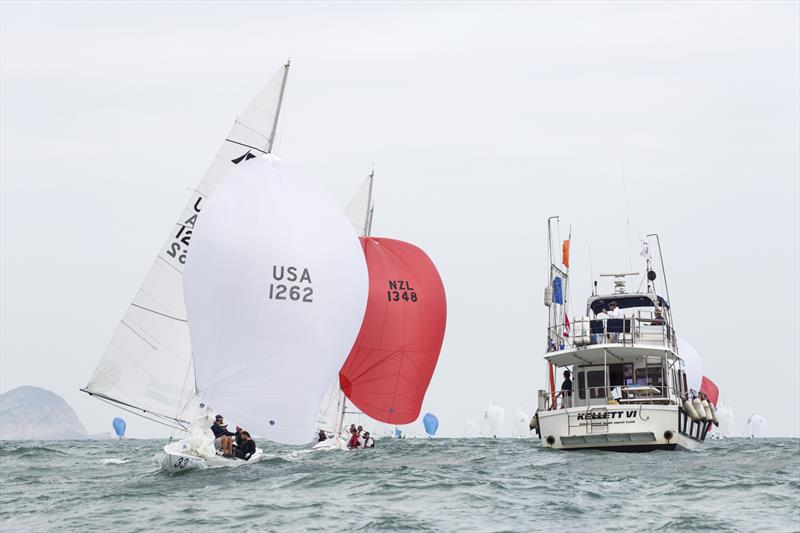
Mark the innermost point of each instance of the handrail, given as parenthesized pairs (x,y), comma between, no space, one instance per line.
(630,331)
(628,397)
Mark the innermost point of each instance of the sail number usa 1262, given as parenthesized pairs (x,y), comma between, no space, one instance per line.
(291,283)
(401,290)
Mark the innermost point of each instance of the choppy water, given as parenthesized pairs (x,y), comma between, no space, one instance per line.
(415,484)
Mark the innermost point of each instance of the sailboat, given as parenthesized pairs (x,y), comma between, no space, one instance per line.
(393,359)
(275,292)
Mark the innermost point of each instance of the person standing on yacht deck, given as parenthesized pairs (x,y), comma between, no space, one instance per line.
(566,390)
(614,311)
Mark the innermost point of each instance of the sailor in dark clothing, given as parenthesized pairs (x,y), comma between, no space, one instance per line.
(566,390)
(247,448)
(222,437)
(322,436)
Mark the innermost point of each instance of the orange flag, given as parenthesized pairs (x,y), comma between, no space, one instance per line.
(565,253)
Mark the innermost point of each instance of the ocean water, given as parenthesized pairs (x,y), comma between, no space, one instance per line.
(404,485)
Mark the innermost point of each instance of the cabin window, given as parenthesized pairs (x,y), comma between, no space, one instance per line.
(596,382)
(620,374)
(652,375)
(581,385)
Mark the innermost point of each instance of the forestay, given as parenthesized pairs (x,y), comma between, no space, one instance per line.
(147,365)
(391,364)
(276,287)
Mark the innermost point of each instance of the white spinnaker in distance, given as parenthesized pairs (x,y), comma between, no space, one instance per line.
(495,416)
(692,364)
(147,364)
(276,288)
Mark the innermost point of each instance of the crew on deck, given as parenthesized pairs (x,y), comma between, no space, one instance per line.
(222,437)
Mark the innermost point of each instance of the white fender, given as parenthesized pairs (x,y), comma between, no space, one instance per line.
(713,414)
(690,410)
(699,409)
(708,417)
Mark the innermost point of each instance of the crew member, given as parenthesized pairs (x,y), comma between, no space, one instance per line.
(222,437)
(247,448)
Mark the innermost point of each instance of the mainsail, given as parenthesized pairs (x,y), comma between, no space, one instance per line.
(147,365)
(276,287)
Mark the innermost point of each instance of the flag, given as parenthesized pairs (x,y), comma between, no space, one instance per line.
(645,250)
(558,295)
(565,253)
(566,325)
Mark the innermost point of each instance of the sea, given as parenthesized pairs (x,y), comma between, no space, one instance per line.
(437,484)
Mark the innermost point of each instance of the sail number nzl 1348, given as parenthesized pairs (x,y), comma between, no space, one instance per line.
(401,290)
(301,292)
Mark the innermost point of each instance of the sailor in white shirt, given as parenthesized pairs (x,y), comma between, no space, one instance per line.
(614,311)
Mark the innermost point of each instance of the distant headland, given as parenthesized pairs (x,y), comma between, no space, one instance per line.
(33,413)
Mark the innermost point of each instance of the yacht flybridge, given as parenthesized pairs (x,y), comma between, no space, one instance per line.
(624,383)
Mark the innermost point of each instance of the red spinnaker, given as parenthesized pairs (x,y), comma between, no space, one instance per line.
(710,389)
(393,359)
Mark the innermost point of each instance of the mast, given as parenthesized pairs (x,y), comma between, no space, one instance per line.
(368,215)
(367,229)
(271,139)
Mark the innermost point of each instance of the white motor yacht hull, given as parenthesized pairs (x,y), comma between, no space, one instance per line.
(175,459)
(628,428)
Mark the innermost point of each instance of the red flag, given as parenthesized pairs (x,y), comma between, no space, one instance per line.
(566,325)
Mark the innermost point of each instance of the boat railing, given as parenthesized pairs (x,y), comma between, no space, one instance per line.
(603,396)
(628,331)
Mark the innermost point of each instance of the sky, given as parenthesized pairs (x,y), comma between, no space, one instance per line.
(481,121)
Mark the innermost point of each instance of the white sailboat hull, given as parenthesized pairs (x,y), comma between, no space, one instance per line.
(331,444)
(629,428)
(175,460)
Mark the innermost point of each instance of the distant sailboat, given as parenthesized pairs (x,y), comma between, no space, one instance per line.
(495,418)
(393,359)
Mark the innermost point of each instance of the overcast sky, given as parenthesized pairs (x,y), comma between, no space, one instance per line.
(481,120)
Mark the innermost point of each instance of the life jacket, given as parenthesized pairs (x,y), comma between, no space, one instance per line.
(353,443)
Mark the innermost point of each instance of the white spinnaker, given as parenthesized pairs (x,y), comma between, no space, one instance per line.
(268,340)
(726,420)
(495,416)
(692,364)
(147,364)
(757,426)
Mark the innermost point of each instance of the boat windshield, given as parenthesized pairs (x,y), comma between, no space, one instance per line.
(625,301)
